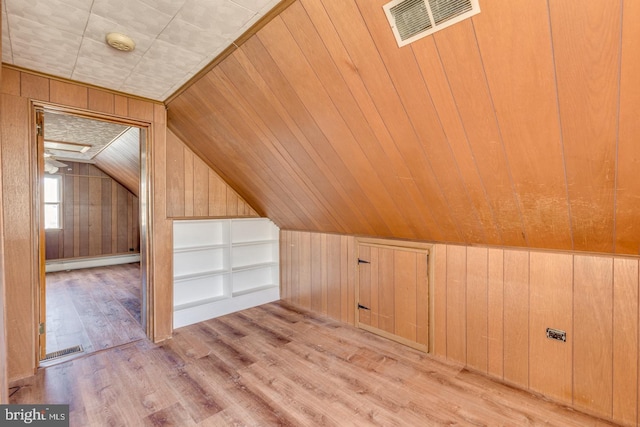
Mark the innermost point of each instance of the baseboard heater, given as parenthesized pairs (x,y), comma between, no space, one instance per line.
(78,263)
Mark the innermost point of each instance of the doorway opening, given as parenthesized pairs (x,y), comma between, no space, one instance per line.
(92,193)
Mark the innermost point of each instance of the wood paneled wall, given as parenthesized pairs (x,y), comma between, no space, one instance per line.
(491,308)
(4,397)
(196,190)
(100,217)
(509,297)
(507,129)
(317,273)
(19,88)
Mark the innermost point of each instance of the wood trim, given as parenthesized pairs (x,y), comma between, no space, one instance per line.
(268,17)
(84,113)
(18,202)
(394,337)
(39,217)
(404,244)
(75,83)
(4,395)
(144,246)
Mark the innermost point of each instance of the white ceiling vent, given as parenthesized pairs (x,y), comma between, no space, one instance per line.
(413,19)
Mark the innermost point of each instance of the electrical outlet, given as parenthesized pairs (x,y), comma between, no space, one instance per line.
(556,334)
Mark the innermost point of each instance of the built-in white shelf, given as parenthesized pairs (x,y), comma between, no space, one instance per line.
(223,265)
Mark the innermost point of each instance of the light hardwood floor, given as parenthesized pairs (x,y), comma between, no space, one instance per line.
(277,365)
(97,308)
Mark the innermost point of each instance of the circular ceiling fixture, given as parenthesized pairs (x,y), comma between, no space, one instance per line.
(120,42)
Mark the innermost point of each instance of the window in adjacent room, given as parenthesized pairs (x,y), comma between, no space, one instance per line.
(52,202)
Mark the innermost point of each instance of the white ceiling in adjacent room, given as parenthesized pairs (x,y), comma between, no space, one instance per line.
(174,39)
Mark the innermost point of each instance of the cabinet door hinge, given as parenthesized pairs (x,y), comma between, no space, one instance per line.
(41,329)
(38,129)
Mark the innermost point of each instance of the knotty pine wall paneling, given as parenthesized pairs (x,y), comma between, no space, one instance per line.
(196,190)
(19,88)
(105,216)
(492,307)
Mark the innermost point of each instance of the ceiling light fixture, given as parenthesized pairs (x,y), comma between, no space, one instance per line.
(121,42)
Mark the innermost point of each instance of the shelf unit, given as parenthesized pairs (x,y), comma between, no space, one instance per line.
(223,265)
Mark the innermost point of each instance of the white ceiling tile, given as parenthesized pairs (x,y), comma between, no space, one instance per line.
(108,67)
(270,5)
(51,13)
(34,33)
(145,86)
(89,71)
(254,5)
(134,14)
(98,27)
(170,7)
(221,16)
(205,61)
(35,43)
(80,4)
(110,57)
(174,39)
(164,60)
(55,68)
(190,37)
(240,31)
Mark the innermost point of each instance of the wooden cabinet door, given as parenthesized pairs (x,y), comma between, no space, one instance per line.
(393,293)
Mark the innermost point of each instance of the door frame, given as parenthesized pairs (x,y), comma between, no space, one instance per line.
(409,245)
(145,212)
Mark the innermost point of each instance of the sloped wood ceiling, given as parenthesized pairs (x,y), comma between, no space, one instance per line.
(121,160)
(518,127)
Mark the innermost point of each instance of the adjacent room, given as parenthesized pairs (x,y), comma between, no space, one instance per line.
(92,282)
(321,212)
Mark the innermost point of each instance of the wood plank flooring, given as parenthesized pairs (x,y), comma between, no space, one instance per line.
(277,365)
(97,308)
